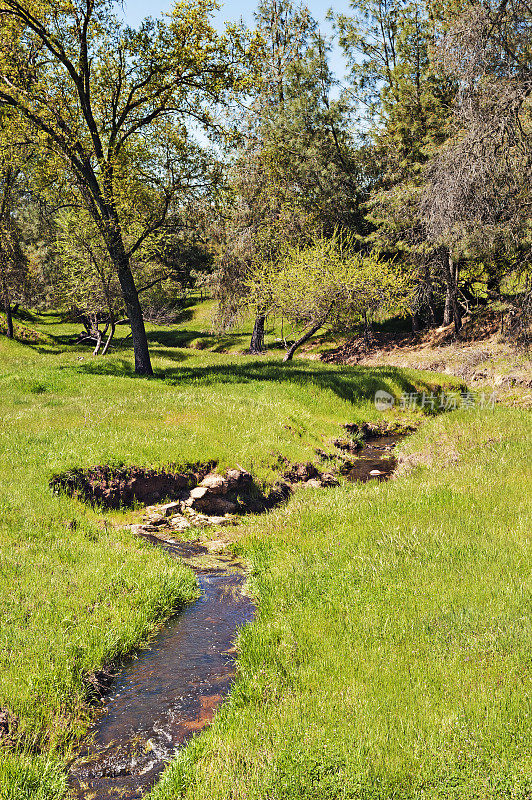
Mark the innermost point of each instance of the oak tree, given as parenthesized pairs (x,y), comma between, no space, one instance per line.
(110,106)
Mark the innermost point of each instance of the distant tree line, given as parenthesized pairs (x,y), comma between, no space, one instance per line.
(136,164)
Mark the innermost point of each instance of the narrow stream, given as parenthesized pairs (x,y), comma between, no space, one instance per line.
(376,460)
(170,690)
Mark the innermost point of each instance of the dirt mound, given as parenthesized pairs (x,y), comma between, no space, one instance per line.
(113,487)
(479,325)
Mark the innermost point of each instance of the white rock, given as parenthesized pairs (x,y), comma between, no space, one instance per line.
(216,484)
(179,523)
(313,483)
(196,494)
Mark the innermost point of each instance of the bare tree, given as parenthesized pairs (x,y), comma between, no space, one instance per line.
(478,196)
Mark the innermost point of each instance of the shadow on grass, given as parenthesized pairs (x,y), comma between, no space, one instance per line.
(185,315)
(171,354)
(183,337)
(352,384)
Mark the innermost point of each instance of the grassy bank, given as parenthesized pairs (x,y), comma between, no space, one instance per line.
(391,653)
(75,592)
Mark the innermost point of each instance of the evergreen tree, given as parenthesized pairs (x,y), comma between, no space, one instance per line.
(297,172)
(408,110)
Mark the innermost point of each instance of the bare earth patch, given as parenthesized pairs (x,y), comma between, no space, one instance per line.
(480,357)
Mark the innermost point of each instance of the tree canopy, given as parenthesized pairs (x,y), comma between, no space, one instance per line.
(173,153)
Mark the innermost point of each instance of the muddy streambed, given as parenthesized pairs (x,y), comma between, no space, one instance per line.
(170,690)
(375,461)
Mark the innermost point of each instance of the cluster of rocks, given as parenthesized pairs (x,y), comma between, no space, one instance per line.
(198,496)
(220,499)
(310,476)
(354,450)
(216,500)
(369,430)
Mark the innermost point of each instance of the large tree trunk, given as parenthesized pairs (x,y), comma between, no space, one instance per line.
(134,311)
(257,337)
(306,336)
(452,311)
(10,333)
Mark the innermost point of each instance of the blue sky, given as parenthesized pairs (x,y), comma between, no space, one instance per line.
(136,10)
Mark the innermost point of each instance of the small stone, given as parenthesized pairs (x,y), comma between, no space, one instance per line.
(375,472)
(136,530)
(216,484)
(169,509)
(215,505)
(155,519)
(234,476)
(239,479)
(196,494)
(215,546)
(313,483)
(329,480)
(198,519)
(179,523)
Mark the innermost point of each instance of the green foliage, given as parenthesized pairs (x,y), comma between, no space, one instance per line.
(79,592)
(86,279)
(408,103)
(110,109)
(297,172)
(31,778)
(330,282)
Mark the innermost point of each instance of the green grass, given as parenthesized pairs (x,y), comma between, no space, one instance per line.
(77,593)
(194,329)
(391,653)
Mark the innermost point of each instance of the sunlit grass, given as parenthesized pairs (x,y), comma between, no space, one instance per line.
(391,653)
(76,592)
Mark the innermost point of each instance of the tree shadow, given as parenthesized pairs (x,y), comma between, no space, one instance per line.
(352,384)
(182,338)
(185,315)
(171,354)
(113,367)
(173,338)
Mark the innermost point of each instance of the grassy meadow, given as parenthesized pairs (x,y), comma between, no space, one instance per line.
(390,657)
(390,654)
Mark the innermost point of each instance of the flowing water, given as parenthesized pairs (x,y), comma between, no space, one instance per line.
(170,690)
